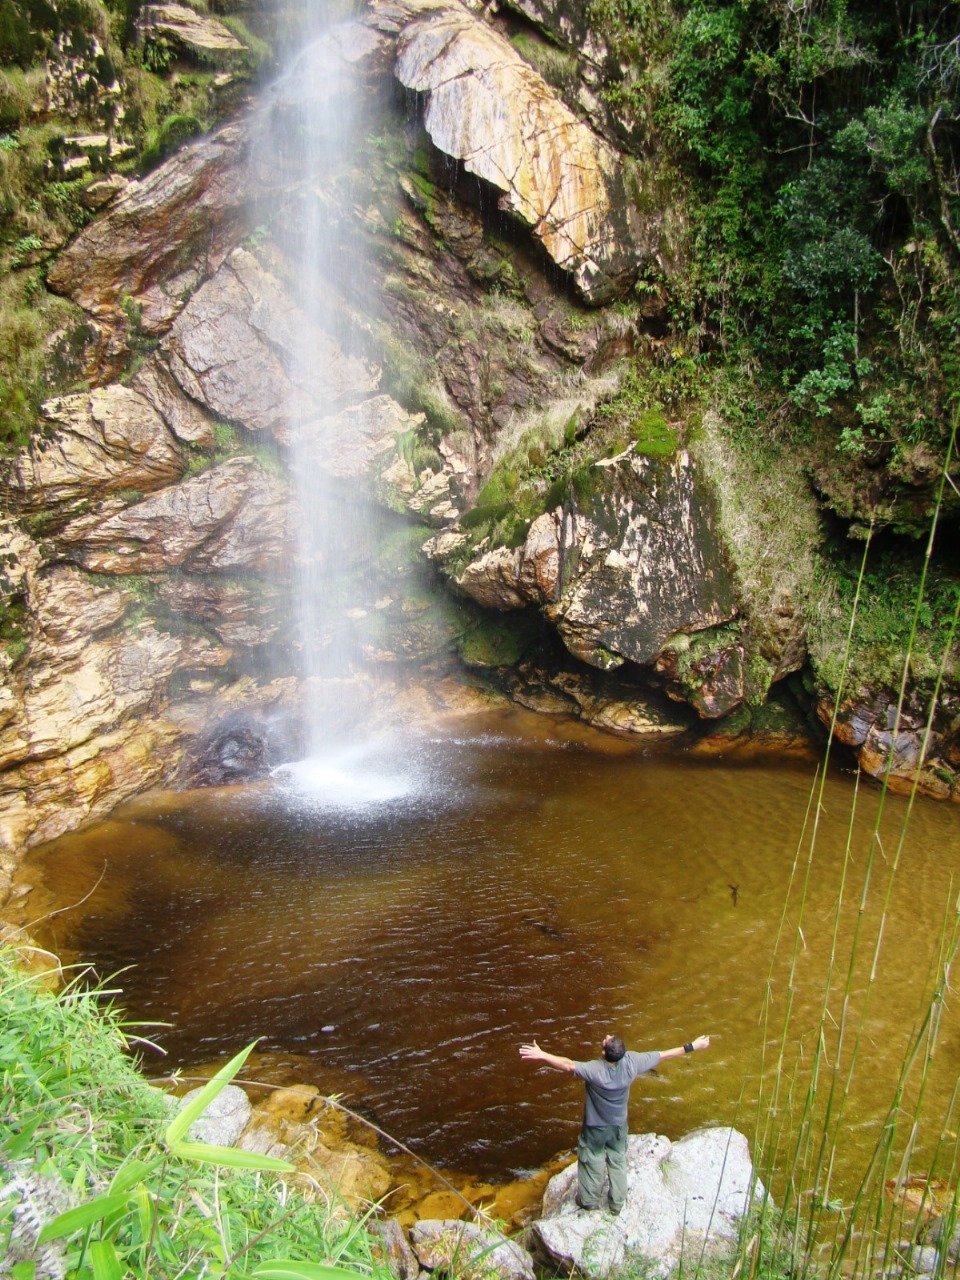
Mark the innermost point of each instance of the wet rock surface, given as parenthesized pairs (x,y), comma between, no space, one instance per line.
(192,207)
(898,746)
(487,108)
(684,1199)
(238,349)
(95,443)
(231,517)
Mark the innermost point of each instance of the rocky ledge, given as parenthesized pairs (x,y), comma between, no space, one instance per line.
(685,1200)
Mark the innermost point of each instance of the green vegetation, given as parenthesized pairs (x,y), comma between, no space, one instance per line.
(13,628)
(816,156)
(557,66)
(121,1191)
(69,70)
(825,202)
(500,640)
(884,622)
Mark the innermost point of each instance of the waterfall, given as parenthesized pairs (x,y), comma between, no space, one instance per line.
(307,142)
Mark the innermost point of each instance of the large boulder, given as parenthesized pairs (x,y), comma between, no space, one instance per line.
(232,517)
(489,109)
(95,443)
(246,352)
(649,563)
(190,210)
(685,1201)
(620,571)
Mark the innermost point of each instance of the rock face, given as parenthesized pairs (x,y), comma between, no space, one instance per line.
(196,32)
(647,565)
(902,750)
(685,1201)
(238,349)
(190,210)
(620,572)
(94,444)
(489,109)
(232,517)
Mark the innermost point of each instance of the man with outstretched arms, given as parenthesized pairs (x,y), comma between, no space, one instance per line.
(603,1137)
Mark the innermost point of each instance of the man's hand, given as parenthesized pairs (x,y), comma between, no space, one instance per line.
(535,1054)
(701,1042)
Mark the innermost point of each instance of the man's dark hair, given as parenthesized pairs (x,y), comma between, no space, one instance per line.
(614,1049)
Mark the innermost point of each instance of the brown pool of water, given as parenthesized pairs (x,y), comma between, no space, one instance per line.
(530,885)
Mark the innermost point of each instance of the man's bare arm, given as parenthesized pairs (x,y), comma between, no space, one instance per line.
(701,1042)
(535,1054)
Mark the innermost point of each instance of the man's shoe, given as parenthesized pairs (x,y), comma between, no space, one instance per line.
(615,1209)
(590,1208)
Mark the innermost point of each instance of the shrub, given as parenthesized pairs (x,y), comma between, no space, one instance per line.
(75,1110)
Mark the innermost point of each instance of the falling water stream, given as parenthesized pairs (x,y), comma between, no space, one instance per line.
(306,137)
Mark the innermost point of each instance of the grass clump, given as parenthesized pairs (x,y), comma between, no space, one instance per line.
(172,133)
(98,1157)
(653,436)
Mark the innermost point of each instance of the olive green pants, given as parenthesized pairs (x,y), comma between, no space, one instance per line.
(602,1147)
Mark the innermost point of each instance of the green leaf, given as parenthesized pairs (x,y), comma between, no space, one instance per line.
(104,1260)
(23,1270)
(19,1143)
(82,1216)
(180,1124)
(208,1154)
(279,1269)
(128,1175)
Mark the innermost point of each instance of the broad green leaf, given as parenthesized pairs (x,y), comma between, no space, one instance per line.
(104,1260)
(84,1215)
(23,1270)
(128,1175)
(180,1124)
(230,1156)
(146,1211)
(278,1269)
(19,1143)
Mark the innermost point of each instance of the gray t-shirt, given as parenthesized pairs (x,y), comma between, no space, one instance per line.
(608,1086)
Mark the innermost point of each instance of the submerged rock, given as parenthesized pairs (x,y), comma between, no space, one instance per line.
(685,1200)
